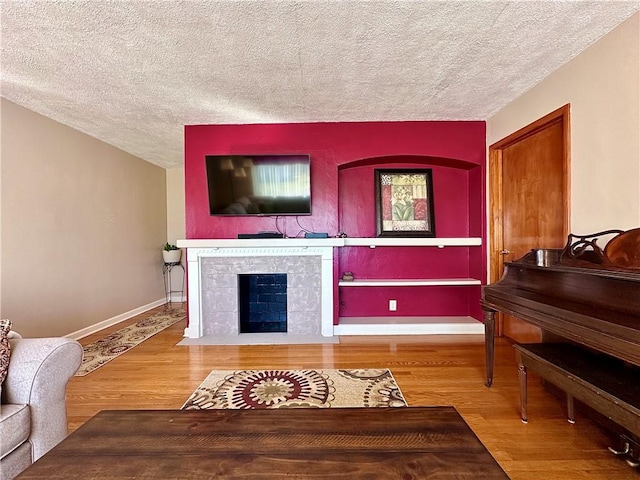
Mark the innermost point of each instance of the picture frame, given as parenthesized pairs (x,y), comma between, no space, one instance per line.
(404,203)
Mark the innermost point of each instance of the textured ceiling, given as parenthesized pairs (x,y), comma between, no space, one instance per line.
(133,73)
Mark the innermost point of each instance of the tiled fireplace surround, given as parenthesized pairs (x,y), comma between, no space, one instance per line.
(214,266)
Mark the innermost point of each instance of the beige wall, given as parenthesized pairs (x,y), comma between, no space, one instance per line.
(175,205)
(176,221)
(602,85)
(82,227)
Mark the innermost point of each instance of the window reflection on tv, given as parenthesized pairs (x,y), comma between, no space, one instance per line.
(259,184)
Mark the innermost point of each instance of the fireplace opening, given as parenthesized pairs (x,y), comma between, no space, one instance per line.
(262,302)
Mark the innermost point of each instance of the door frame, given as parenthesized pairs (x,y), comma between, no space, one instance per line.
(495,215)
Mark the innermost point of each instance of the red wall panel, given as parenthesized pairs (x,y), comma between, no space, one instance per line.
(343,159)
(330,145)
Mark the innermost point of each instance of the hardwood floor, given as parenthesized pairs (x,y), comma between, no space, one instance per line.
(430,370)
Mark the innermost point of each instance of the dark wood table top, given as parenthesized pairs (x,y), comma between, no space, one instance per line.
(406,443)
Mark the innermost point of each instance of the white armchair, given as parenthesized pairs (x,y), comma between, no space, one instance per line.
(33,414)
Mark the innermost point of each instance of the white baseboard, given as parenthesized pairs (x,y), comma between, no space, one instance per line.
(77,335)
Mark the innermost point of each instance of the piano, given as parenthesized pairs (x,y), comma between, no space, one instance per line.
(590,298)
(578,293)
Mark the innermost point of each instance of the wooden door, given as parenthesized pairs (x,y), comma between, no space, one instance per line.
(529,200)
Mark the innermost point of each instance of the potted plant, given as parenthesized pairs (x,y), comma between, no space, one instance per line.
(171,253)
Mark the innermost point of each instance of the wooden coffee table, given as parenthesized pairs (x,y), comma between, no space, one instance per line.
(345,443)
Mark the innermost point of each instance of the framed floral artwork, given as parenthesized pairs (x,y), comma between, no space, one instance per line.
(404,203)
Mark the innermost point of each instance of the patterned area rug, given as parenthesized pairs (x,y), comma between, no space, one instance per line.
(106,349)
(246,389)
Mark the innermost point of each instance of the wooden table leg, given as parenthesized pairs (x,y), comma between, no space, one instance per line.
(489,343)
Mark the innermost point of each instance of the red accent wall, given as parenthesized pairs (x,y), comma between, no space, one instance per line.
(343,158)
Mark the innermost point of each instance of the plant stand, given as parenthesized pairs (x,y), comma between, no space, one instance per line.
(167,268)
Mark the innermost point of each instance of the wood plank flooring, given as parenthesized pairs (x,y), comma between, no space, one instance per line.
(430,370)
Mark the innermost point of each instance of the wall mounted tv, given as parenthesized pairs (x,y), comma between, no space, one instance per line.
(259,184)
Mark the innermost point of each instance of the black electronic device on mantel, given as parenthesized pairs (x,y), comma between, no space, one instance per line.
(268,185)
(261,235)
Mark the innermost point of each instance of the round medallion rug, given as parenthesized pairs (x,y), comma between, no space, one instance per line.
(255,389)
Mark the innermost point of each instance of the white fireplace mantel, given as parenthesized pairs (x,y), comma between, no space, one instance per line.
(261,242)
(200,249)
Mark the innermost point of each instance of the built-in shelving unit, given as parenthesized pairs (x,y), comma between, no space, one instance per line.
(397,325)
(412,284)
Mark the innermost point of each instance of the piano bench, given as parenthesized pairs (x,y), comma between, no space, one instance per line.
(607,384)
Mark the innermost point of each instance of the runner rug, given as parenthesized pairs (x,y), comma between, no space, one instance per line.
(106,349)
(247,389)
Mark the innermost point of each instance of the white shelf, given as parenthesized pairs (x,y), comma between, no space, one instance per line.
(332,242)
(412,241)
(400,282)
(408,326)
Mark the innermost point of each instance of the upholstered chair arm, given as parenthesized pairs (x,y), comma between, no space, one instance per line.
(39,370)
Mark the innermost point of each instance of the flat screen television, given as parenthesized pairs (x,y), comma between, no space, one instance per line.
(259,184)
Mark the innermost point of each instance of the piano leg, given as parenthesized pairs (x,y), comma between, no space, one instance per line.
(489,343)
(570,409)
(522,374)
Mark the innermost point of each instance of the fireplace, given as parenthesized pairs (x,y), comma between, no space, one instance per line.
(215,268)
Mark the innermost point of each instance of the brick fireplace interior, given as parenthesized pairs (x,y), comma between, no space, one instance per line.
(262,302)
